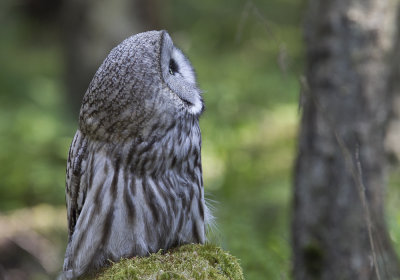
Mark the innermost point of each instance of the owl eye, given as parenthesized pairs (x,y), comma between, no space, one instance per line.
(173,67)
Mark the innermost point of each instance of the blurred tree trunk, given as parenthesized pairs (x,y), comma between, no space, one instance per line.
(91,29)
(338,224)
(392,142)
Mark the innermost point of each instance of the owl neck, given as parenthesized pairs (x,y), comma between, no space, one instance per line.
(169,147)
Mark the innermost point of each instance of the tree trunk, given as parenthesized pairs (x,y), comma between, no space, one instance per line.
(338,225)
(392,141)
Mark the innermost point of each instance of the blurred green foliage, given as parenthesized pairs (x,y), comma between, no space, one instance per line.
(248,56)
(34,130)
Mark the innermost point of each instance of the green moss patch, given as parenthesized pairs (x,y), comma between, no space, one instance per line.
(192,261)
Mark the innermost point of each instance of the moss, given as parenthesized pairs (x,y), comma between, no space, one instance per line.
(186,262)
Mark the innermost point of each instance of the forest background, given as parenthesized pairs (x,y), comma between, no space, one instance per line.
(249,57)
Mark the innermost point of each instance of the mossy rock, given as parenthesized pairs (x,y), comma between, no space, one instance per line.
(186,262)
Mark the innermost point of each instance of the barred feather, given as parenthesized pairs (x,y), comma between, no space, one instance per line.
(134,182)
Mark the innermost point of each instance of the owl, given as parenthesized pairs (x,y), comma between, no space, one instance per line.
(134,176)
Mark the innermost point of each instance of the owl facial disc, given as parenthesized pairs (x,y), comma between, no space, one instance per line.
(179,75)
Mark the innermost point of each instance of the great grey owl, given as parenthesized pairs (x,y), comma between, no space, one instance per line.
(134,177)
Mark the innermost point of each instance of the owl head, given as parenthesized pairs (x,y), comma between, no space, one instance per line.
(144,82)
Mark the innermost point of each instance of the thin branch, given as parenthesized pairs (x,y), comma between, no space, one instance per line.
(251,8)
(361,190)
(248,8)
(242,21)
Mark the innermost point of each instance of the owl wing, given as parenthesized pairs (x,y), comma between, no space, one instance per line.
(75,187)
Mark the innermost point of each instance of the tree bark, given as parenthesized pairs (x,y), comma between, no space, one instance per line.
(338,223)
(392,141)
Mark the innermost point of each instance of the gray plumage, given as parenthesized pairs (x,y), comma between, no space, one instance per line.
(134,178)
